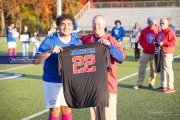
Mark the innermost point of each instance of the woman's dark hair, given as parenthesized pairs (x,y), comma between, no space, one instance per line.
(37,33)
(117,21)
(135,25)
(24,27)
(64,17)
(11,23)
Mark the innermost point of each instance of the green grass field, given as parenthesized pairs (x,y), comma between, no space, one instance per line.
(23,97)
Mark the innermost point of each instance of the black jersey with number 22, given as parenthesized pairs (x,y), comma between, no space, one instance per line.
(84,73)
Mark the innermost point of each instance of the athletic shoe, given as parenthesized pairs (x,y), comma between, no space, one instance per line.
(138,86)
(151,86)
(161,89)
(169,90)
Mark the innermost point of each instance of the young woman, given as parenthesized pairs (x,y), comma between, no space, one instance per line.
(35,39)
(52,29)
(25,36)
(134,36)
(47,53)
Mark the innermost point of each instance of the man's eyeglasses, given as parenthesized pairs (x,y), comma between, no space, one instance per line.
(161,23)
(136,25)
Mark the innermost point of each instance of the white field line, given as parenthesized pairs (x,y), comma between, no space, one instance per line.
(46,110)
(134,74)
(177,56)
(36,114)
(15,68)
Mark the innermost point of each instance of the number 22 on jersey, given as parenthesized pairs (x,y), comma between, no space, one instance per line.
(82,64)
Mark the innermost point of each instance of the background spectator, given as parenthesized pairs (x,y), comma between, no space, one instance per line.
(76,30)
(25,40)
(52,29)
(134,37)
(35,39)
(118,32)
(167,39)
(170,25)
(10,40)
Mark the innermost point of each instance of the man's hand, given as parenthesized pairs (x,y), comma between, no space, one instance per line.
(155,43)
(105,42)
(161,43)
(56,49)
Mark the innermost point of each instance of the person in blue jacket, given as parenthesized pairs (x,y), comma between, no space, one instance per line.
(170,25)
(118,32)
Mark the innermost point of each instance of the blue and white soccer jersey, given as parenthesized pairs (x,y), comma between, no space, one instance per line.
(10,40)
(54,97)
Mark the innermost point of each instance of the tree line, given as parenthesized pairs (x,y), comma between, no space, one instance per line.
(37,14)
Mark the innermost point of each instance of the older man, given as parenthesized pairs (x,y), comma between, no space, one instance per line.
(146,40)
(167,39)
(117,55)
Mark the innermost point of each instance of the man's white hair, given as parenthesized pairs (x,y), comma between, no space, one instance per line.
(100,17)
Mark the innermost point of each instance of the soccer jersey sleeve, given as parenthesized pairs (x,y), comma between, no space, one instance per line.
(115,53)
(7,29)
(45,45)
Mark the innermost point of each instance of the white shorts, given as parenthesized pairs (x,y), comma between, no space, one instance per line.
(12,44)
(53,95)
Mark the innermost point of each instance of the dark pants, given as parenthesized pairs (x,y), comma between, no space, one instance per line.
(137,52)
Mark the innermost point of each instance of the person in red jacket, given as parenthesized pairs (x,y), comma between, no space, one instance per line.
(167,39)
(117,54)
(146,40)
